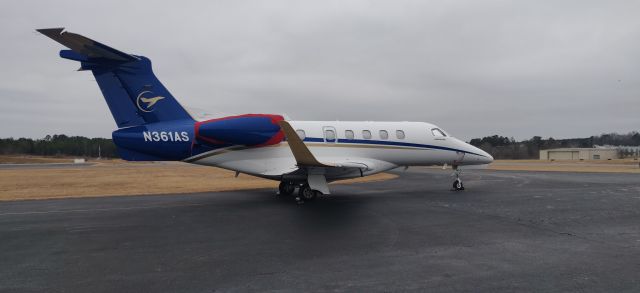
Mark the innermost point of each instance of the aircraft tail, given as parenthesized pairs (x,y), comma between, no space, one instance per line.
(133,93)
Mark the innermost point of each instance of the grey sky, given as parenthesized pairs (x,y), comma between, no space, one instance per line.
(476,68)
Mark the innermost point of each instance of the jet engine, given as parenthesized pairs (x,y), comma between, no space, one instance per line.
(248,130)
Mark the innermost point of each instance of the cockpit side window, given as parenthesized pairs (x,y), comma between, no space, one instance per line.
(437,132)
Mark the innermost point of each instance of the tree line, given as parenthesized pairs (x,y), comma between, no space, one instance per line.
(501,147)
(59,145)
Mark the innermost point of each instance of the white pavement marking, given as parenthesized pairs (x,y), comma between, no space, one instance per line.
(99,210)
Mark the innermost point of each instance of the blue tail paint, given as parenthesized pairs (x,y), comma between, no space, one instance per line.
(146,95)
(152,124)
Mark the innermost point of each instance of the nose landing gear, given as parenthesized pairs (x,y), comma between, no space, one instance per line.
(457,183)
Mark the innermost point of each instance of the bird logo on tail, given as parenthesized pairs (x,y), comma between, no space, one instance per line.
(148,102)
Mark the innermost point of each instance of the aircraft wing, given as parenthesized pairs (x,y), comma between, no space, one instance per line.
(317,172)
(338,166)
(304,157)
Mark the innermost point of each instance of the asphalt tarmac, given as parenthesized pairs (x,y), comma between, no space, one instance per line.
(507,232)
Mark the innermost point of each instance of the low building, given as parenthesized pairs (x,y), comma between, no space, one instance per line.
(579,154)
(625,151)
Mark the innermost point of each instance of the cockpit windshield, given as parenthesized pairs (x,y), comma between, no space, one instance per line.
(437,132)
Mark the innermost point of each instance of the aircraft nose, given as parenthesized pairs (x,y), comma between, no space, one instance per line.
(479,156)
(487,158)
(473,155)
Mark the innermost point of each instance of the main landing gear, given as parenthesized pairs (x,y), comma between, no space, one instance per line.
(286,188)
(305,193)
(457,184)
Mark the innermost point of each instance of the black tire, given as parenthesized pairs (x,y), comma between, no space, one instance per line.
(306,193)
(286,188)
(457,185)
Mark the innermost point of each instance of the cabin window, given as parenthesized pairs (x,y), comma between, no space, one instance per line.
(400,134)
(384,134)
(366,134)
(437,132)
(301,134)
(330,135)
(348,134)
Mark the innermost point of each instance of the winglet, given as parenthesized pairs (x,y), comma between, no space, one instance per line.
(303,156)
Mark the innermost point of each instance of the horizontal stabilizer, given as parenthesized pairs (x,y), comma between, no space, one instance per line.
(85,46)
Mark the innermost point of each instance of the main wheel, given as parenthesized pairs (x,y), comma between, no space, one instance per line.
(457,185)
(286,188)
(306,193)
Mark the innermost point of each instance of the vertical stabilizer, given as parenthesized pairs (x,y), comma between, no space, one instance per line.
(133,93)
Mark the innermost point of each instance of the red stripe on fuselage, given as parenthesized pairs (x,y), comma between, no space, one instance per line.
(277,138)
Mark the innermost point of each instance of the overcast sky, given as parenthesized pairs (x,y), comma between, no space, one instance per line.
(475,68)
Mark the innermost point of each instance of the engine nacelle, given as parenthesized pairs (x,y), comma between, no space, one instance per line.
(248,129)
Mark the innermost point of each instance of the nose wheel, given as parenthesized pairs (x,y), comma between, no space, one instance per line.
(457,183)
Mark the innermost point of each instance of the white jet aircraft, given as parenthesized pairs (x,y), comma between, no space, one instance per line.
(303,155)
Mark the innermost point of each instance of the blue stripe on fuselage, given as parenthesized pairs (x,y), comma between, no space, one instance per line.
(393,143)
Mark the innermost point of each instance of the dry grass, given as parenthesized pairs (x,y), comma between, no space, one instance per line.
(584,162)
(109,178)
(33,160)
(116,177)
(605,166)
